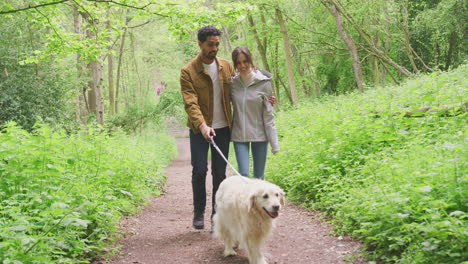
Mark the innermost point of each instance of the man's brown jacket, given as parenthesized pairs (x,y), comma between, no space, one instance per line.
(197,92)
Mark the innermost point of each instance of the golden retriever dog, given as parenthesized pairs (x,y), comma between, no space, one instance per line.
(246,210)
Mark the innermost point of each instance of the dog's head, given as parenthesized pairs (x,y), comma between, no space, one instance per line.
(268,199)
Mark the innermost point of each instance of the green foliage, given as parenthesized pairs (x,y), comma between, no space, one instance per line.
(62,195)
(25,96)
(189,16)
(397,183)
(137,118)
(440,31)
(30,91)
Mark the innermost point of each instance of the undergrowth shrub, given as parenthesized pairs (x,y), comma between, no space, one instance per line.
(138,117)
(62,195)
(398,183)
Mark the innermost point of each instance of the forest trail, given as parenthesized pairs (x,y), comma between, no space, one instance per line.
(162,232)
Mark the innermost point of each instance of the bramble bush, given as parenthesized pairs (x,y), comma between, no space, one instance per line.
(63,195)
(397,182)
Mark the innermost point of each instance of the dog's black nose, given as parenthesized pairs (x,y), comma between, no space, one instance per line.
(275,208)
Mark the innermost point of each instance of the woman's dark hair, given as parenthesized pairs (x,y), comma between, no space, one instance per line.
(241,50)
(206,31)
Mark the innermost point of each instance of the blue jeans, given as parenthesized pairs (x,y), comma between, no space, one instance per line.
(199,156)
(259,154)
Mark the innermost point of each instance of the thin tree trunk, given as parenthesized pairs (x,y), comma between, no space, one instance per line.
(287,50)
(138,90)
(376,51)
(452,44)
(31,42)
(227,39)
(375,64)
(261,48)
(406,41)
(286,90)
(80,102)
(300,70)
(119,66)
(351,47)
(316,90)
(110,71)
(276,73)
(95,99)
(386,44)
(125,85)
(96,68)
(373,61)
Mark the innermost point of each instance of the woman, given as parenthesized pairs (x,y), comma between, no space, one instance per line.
(253,122)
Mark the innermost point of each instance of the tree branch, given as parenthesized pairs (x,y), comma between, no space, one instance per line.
(32,7)
(378,53)
(63,1)
(52,26)
(139,25)
(323,52)
(120,4)
(324,43)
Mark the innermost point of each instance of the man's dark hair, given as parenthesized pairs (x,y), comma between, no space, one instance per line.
(206,31)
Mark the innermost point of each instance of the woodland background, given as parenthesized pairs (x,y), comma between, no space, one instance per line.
(372,100)
(80,61)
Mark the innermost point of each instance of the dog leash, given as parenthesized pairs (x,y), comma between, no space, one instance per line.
(221,153)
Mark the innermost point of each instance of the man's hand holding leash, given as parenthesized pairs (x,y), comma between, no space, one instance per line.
(207,131)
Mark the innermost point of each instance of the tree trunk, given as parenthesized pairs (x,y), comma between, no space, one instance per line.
(119,66)
(406,41)
(351,47)
(375,64)
(386,44)
(287,51)
(286,90)
(110,71)
(376,51)
(452,44)
(96,69)
(261,48)
(81,105)
(300,71)
(137,92)
(227,40)
(276,73)
(95,99)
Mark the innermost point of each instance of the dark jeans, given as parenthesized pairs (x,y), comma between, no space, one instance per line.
(199,155)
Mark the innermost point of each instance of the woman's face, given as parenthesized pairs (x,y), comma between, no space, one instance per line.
(243,65)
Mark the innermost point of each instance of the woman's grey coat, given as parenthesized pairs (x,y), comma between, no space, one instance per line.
(253,119)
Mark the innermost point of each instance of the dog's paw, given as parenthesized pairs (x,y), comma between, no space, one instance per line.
(260,260)
(229,252)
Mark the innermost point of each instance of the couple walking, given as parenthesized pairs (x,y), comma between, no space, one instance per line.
(209,84)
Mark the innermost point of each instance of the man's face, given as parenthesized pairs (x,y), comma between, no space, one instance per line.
(209,48)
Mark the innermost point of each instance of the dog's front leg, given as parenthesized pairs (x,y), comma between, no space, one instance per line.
(254,254)
(229,250)
(229,245)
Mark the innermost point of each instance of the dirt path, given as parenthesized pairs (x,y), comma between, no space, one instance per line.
(162,232)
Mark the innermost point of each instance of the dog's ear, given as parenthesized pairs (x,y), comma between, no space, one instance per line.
(252,200)
(281,197)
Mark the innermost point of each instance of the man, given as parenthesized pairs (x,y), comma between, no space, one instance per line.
(205,89)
